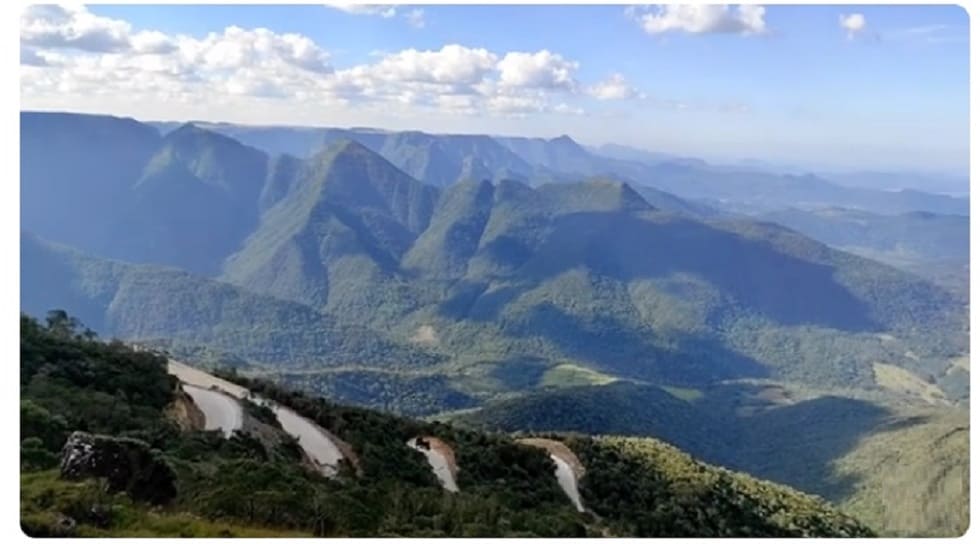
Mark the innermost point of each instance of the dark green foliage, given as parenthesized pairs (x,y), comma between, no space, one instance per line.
(262,413)
(35,455)
(618,409)
(507,489)
(649,489)
(407,395)
(38,423)
(72,383)
(190,311)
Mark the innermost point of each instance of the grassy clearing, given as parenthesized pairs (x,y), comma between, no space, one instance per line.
(44,498)
(684,393)
(902,381)
(571,375)
(914,476)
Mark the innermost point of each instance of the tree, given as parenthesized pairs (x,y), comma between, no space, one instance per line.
(61,324)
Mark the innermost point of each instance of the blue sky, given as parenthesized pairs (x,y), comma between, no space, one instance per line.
(887,87)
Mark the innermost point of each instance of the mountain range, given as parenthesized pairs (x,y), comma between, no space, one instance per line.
(430,274)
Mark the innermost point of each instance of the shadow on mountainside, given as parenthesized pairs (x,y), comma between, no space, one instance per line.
(798,444)
(626,247)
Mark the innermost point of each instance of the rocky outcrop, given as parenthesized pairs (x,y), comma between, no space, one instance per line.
(127,465)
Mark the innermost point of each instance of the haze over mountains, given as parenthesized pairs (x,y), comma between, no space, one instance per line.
(427,273)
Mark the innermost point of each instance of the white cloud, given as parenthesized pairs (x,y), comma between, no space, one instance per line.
(853,24)
(381,10)
(238,49)
(453,64)
(701,19)
(71,56)
(614,88)
(544,69)
(152,43)
(72,28)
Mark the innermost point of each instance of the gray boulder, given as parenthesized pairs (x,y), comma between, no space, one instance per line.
(127,465)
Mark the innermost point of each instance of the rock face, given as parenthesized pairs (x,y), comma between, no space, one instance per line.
(126,464)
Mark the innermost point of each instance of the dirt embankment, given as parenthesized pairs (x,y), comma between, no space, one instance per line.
(185,413)
(559,450)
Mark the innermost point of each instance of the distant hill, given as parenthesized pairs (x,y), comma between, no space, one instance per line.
(77,171)
(114,187)
(934,246)
(891,181)
(440,159)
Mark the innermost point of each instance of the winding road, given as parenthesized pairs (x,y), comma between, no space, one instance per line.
(221,411)
(318,444)
(568,468)
(441,459)
(216,398)
(568,481)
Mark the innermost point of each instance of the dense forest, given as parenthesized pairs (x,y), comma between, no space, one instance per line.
(244,485)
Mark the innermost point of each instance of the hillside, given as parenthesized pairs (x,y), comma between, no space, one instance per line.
(350,219)
(79,163)
(506,489)
(115,188)
(879,461)
(933,245)
(113,299)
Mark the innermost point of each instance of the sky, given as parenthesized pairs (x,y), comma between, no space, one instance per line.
(827,87)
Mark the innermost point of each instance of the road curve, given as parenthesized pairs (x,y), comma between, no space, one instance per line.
(320,446)
(441,459)
(568,468)
(568,481)
(202,379)
(221,411)
(316,441)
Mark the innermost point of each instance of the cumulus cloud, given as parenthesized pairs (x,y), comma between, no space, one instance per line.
(853,24)
(614,88)
(68,53)
(238,48)
(151,43)
(700,19)
(453,64)
(543,69)
(72,28)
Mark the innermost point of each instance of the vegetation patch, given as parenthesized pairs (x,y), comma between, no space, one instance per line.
(902,381)
(571,375)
